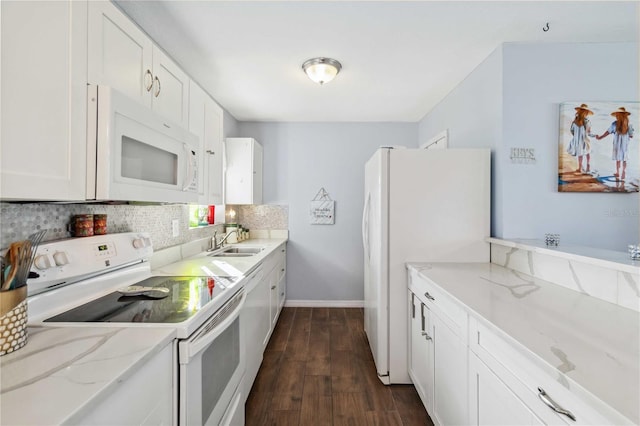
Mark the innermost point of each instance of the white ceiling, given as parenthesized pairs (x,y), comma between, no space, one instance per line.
(399,58)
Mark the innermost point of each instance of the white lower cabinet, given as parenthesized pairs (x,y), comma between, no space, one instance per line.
(145,398)
(449,375)
(437,364)
(492,402)
(466,371)
(421,351)
(260,313)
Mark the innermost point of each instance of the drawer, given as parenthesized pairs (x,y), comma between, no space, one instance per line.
(525,374)
(448,309)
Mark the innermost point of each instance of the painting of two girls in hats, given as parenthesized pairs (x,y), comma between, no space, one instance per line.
(597,149)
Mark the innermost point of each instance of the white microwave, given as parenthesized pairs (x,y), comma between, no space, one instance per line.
(137,155)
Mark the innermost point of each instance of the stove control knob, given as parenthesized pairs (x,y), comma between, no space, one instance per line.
(139,243)
(43,261)
(61,258)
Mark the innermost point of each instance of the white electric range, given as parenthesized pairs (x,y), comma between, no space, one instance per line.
(78,286)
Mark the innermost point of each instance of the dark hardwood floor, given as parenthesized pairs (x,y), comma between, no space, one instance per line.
(318,370)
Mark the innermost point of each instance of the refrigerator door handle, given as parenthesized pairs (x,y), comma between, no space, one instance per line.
(365,226)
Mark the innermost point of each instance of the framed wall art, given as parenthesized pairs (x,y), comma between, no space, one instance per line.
(598,149)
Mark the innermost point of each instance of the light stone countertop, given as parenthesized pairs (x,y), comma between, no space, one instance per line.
(229,266)
(618,260)
(64,372)
(593,344)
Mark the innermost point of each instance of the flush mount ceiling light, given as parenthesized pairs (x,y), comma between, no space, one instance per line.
(321,70)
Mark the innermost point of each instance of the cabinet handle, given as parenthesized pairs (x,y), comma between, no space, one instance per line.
(282,269)
(426,335)
(422,314)
(150,80)
(282,250)
(554,405)
(157,80)
(428,296)
(413,306)
(210,152)
(273,287)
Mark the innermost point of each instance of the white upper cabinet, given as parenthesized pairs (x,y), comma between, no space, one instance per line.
(120,54)
(206,121)
(44,100)
(170,89)
(124,57)
(243,177)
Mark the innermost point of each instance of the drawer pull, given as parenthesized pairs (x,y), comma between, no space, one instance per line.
(428,296)
(273,287)
(553,405)
(426,335)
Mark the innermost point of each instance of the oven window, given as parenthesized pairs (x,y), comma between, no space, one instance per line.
(145,162)
(219,362)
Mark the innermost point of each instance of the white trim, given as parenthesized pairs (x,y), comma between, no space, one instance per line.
(439,141)
(324,303)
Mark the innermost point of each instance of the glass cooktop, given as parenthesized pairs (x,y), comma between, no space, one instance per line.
(186,296)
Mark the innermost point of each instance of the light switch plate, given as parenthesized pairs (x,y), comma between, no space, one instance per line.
(175,227)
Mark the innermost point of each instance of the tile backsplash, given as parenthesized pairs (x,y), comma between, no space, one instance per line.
(262,216)
(18,221)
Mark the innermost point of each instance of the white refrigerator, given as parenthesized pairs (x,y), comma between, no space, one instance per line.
(420,205)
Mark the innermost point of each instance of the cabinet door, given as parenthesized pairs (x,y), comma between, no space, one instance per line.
(450,375)
(197,99)
(43,141)
(120,54)
(213,152)
(257,173)
(282,277)
(242,172)
(274,307)
(421,351)
(491,400)
(170,89)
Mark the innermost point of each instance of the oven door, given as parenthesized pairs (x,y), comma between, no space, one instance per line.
(211,366)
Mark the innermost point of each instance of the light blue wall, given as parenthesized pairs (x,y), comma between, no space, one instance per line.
(537,78)
(324,262)
(517,91)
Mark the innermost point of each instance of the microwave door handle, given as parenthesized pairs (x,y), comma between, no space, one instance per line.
(190,348)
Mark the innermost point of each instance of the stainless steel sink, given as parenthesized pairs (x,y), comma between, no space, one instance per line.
(225,254)
(237,252)
(248,250)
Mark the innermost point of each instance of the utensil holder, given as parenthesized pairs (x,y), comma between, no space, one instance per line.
(13,320)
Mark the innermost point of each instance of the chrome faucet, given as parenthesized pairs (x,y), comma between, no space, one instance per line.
(214,240)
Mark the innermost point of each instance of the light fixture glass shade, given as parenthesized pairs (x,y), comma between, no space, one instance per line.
(321,70)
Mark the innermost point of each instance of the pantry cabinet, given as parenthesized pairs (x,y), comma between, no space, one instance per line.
(243,175)
(124,57)
(44,100)
(206,122)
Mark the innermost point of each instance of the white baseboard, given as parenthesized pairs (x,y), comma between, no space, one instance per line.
(324,303)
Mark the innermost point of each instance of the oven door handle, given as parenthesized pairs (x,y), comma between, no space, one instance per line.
(187,349)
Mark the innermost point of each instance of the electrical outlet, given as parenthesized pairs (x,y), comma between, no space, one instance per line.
(175,227)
